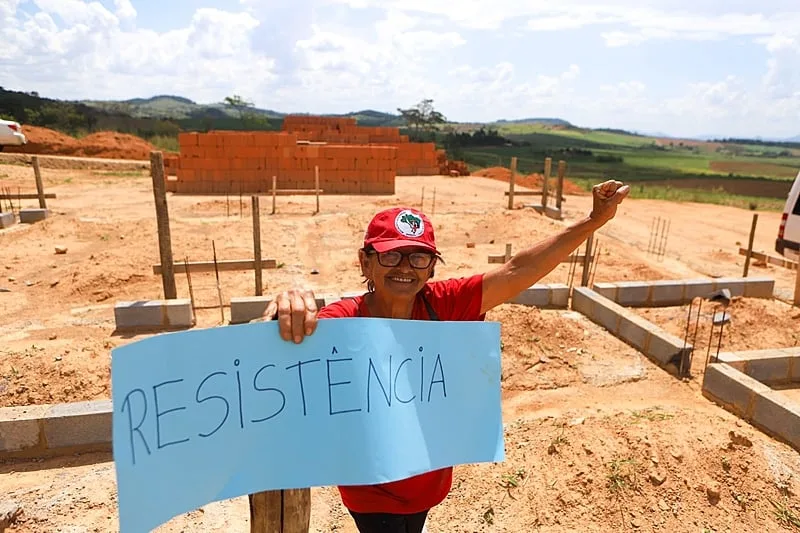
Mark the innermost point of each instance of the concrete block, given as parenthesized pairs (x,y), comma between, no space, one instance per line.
(559,295)
(694,288)
(778,415)
(582,301)
(735,285)
(666,293)
(664,347)
(536,296)
(633,293)
(154,313)
(138,314)
(178,313)
(248,308)
(733,359)
(732,388)
(597,308)
(759,287)
(7,220)
(608,290)
(633,330)
(769,370)
(78,424)
(30,216)
(19,428)
(607,314)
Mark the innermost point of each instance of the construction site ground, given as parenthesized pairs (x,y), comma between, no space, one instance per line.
(598,437)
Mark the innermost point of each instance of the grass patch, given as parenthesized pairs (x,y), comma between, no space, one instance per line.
(121,173)
(715,196)
(167,143)
(622,476)
(653,414)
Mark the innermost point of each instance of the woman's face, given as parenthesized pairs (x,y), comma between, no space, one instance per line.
(399,273)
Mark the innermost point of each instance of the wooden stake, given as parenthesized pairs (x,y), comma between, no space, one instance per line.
(797,286)
(257,244)
(189,282)
(587,261)
(162,219)
(511,180)
(316,186)
(280,511)
(274,192)
(562,170)
(750,245)
(39,185)
(219,287)
(508,253)
(548,163)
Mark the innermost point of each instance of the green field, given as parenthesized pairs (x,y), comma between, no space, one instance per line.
(732,173)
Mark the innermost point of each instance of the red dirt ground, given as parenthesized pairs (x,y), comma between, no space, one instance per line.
(531,181)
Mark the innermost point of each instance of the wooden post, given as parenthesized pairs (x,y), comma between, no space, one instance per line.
(316,186)
(280,511)
(562,170)
(587,261)
(508,253)
(162,219)
(37,172)
(511,183)
(750,245)
(797,286)
(548,164)
(257,244)
(274,192)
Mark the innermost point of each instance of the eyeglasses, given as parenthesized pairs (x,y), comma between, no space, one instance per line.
(418,260)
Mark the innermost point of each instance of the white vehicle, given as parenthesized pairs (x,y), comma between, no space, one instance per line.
(11,134)
(788,242)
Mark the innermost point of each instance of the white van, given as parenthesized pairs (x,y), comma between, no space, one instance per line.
(788,242)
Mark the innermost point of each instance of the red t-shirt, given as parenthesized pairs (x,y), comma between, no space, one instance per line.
(452,300)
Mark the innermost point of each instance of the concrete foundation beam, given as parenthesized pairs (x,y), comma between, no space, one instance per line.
(732,389)
(544,296)
(654,342)
(52,430)
(30,216)
(168,314)
(7,220)
(755,402)
(247,308)
(669,293)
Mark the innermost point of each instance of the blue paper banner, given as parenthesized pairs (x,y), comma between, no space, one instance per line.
(207,415)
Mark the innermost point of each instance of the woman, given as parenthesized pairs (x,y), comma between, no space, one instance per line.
(398,261)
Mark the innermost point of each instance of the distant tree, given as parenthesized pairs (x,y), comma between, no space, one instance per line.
(422,116)
(241,105)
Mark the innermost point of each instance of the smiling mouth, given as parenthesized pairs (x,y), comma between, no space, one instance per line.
(398,279)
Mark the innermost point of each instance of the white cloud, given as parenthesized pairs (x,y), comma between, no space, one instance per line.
(74,49)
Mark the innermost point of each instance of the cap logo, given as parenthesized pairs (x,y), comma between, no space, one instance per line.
(409,224)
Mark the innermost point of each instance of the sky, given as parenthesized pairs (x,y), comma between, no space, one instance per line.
(677,67)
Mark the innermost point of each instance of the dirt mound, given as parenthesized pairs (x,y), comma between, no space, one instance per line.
(531,181)
(104,144)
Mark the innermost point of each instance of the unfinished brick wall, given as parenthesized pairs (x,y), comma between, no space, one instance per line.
(413,159)
(230,162)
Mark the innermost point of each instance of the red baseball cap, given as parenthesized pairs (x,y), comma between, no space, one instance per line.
(398,227)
